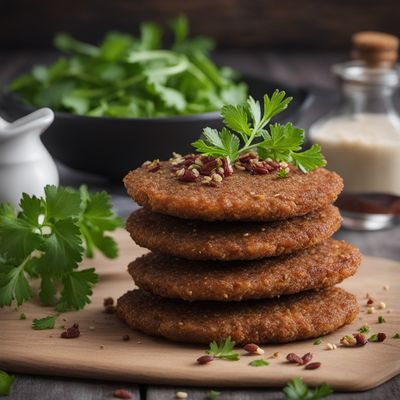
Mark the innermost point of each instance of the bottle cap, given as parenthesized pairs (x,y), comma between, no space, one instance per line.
(376,49)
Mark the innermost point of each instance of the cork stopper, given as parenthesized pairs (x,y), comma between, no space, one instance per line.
(376,49)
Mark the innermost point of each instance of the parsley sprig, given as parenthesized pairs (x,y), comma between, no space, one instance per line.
(40,324)
(223,350)
(6,382)
(47,239)
(298,390)
(246,129)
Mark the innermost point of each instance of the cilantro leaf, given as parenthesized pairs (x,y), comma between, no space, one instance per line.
(13,285)
(6,382)
(77,289)
(44,323)
(61,202)
(298,390)
(45,240)
(309,159)
(258,363)
(281,143)
(223,350)
(218,144)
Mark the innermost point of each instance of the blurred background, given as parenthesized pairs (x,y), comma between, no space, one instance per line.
(289,44)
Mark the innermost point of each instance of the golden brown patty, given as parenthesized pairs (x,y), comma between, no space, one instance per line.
(301,316)
(200,240)
(241,196)
(318,267)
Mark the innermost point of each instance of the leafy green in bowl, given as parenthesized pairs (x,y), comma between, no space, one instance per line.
(133,77)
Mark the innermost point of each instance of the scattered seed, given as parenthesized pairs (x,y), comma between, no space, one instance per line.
(331,346)
(91,328)
(371,310)
(381,337)
(313,365)
(71,332)
(123,394)
(348,341)
(385,287)
(381,320)
(307,358)
(360,339)
(294,358)
(364,329)
(246,234)
(101,346)
(370,301)
(253,349)
(205,359)
(381,305)
(181,395)
(125,338)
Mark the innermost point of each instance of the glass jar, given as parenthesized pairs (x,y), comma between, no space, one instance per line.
(361,142)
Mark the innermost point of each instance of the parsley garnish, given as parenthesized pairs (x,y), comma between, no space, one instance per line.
(381,320)
(44,323)
(246,129)
(258,363)
(282,174)
(212,395)
(364,329)
(223,350)
(396,336)
(6,382)
(298,390)
(22,316)
(47,239)
(317,341)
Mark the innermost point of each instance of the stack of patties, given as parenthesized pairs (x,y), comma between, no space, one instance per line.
(250,257)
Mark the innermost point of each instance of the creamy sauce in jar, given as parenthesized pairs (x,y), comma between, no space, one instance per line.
(364,149)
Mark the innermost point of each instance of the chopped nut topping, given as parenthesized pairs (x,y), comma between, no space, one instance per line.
(71,332)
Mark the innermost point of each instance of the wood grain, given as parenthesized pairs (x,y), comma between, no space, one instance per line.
(102,353)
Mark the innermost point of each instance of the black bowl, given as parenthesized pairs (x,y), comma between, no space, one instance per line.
(112,146)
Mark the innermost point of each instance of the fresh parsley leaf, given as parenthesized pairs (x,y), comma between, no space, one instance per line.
(212,395)
(46,241)
(6,382)
(309,159)
(282,174)
(22,316)
(381,320)
(317,341)
(281,143)
(298,390)
(133,76)
(258,363)
(223,350)
(13,284)
(77,289)
(44,323)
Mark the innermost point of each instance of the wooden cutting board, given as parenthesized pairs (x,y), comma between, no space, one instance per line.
(102,354)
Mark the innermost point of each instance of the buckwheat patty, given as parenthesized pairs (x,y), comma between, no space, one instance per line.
(241,196)
(200,240)
(295,317)
(318,267)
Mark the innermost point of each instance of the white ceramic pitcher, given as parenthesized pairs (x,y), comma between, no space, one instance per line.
(25,164)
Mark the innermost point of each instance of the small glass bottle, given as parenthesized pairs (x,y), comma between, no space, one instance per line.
(361,137)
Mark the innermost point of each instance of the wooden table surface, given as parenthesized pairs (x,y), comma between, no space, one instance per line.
(306,69)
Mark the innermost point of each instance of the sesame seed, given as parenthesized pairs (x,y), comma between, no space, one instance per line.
(370,310)
(381,305)
(181,395)
(331,346)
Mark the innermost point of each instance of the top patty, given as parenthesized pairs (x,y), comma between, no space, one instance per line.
(241,196)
